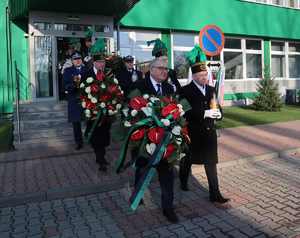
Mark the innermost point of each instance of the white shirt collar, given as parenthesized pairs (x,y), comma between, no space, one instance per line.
(201,88)
(95,70)
(154,83)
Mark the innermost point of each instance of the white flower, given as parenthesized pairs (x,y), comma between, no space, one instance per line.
(83,104)
(166,122)
(94,100)
(125,112)
(154,99)
(176,130)
(95,112)
(110,112)
(90,96)
(103,86)
(150,148)
(147,111)
(118,106)
(182,155)
(134,113)
(102,104)
(87,89)
(116,81)
(179,106)
(122,91)
(182,113)
(82,85)
(127,124)
(87,113)
(178,140)
(146,96)
(149,104)
(114,102)
(89,80)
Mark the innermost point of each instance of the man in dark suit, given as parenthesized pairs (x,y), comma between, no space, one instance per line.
(201,126)
(160,50)
(72,77)
(128,75)
(100,137)
(156,84)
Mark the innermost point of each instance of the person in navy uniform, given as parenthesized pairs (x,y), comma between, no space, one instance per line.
(128,75)
(160,50)
(156,84)
(100,138)
(201,126)
(72,77)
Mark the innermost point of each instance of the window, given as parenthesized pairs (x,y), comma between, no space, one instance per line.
(234,65)
(294,59)
(42,26)
(278,59)
(253,58)
(135,43)
(182,43)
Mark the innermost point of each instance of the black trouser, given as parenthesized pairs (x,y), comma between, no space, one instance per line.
(100,139)
(77,132)
(100,154)
(211,174)
(166,181)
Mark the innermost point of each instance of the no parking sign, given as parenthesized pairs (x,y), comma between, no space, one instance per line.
(211,40)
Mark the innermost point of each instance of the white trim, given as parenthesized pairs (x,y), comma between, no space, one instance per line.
(269,2)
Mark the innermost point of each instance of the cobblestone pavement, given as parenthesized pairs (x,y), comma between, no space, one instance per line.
(55,173)
(265,203)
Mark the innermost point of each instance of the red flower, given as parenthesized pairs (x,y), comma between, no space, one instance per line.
(138,134)
(138,102)
(94,88)
(171,109)
(104,97)
(110,107)
(113,88)
(90,105)
(168,100)
(185,134)
(155,134)
(169,151)
(83,98)
(100,76)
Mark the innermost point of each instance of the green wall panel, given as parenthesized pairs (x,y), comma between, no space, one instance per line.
(13,47)
(233,16)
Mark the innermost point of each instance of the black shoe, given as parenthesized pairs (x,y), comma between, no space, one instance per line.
(184,187)
(219,199)
(102,167)
(170,215)
(141,202)
(78,147)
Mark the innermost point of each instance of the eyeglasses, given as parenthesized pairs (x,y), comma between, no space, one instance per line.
(161,68)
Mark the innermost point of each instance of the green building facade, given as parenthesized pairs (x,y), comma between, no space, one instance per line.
(257,34)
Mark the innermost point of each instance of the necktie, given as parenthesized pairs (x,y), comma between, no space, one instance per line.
(100,75)
(158,89)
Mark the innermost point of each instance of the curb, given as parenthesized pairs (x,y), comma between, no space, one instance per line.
(83,190)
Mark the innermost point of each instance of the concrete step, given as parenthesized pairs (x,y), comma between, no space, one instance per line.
(37,125)
(29,116)
(43,107)
(46,133)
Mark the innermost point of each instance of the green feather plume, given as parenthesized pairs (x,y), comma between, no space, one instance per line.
(196,55)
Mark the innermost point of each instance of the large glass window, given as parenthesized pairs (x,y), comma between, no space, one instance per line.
(254,66)
(43,66)
(294,66)
(234,65)
(182,44)
(294,59)
(278,59)
(135,43)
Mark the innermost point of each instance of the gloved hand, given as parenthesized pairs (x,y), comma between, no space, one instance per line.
(87,58)
(212,113)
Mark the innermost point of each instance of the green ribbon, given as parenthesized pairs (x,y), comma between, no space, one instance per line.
(124,148)
(145,180)
(98,118)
